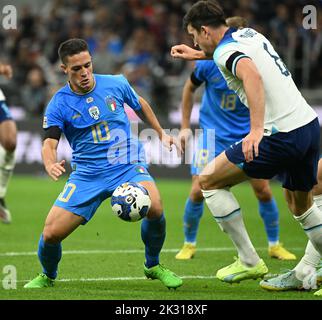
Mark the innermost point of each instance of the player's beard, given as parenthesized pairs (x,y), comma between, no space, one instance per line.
(207,51)
(208,54)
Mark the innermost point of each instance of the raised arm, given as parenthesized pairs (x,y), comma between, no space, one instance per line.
(185,52)
(147,115)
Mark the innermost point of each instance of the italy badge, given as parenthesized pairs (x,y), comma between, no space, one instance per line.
(111,103)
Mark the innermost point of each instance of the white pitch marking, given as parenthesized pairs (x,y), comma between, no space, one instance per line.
(120,279)
(32,253)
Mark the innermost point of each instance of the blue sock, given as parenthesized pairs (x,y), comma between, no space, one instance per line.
(49,256)
(192,214)
(153,236)
(269,213)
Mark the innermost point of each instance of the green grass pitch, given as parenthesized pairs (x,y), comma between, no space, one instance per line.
(104,259)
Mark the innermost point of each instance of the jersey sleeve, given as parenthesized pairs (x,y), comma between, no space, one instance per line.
(198,75)
(52,116)
(131,98)
(227,57)
(2,96)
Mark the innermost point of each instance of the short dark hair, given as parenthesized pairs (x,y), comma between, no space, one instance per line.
(204,13)
(71,47)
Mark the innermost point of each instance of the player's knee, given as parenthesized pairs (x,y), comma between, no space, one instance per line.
(9,144)
(156,210)
(51,236)
(196,194)
(206,183)
(263,193)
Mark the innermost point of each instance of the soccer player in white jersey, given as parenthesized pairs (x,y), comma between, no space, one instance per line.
(222,113)
(8,137)
(283,138)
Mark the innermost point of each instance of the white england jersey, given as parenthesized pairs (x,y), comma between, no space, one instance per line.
(285,107)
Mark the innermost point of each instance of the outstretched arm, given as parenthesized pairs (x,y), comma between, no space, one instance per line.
(147,115)
(185,52)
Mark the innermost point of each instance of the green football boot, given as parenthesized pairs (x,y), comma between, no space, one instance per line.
(236,272)
(41,281)
(167,277)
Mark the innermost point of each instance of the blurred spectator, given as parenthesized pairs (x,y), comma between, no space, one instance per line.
(108,54)
(135,36)
(35,92)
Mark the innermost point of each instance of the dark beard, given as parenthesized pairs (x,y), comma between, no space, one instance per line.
(208,54)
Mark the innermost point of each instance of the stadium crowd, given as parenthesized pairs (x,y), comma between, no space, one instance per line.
(134,37)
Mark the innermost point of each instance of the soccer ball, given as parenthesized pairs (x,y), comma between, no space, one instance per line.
(130,202)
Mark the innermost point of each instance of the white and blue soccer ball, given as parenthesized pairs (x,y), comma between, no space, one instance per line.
(130,202)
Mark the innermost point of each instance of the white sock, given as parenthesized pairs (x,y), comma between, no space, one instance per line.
(311,222)
(7,164)
(311,257)
(308,263)
(225,209)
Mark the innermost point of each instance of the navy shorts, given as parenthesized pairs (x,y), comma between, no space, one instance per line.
(292,156)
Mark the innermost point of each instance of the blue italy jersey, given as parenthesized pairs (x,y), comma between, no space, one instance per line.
(96,125)
(221,108)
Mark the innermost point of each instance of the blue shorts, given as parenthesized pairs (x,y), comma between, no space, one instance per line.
(4,112)
(292,156)
(83,194)
(207,149)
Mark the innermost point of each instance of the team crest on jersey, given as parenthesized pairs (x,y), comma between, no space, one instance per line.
(89,99)
(111,103)
(94,112)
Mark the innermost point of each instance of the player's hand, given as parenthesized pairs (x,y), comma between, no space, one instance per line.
(185,52)
(251,143)
(168,141)
(55,170)
(6,70)
(184,136)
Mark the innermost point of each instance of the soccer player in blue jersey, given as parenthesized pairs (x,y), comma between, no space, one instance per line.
(222,111)
(89,110)
(8,138)
(283,139)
